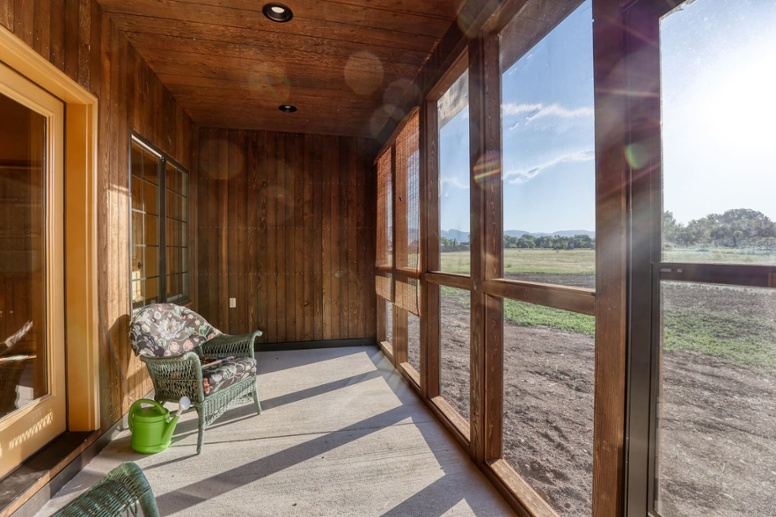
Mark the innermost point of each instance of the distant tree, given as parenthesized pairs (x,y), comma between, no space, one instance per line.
(510,241)
(740,227)
(672,230)
(526,241)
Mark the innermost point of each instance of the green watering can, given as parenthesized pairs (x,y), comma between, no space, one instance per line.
(151,427)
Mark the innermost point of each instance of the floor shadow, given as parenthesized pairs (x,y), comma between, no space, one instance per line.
(270,362)
(187,497)
(239,413)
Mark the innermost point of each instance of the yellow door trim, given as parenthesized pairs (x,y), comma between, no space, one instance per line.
(81,302)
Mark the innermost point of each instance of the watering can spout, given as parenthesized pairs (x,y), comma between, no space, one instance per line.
(167,436)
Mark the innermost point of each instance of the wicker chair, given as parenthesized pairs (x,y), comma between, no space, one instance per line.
(176,344)
(121,492)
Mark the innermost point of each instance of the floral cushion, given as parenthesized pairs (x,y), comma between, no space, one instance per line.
(166,329)
(225,374)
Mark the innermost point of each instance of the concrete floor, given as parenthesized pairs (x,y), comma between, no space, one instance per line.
(340,433)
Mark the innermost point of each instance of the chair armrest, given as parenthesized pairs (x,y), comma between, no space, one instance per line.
(225,345)
(174,377)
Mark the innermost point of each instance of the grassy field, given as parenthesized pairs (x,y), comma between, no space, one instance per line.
(735,324)
(720,256)
(566,262)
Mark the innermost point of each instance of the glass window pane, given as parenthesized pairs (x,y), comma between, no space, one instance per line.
(151,229)
(172,233)
(184,212)
(548,402)
(151,194)
(454,224)
(150,167)
(413,341)
(172,206)
(172,286)
(172,178)
(138,258)
(138,293)
(389,322)
(137,228)
(716,411)
(548,153)
(455,348)
(137,193)
(718,75)
(184,234)
(151,290)
(23,257)
(136,160)
(151,264)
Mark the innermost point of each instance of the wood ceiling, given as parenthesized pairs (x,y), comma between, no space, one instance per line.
(344,64)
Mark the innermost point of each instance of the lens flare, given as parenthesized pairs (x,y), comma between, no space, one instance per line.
(488,168)
(270,82)
(399,90)
(637,154)
(379,118)
(364,73)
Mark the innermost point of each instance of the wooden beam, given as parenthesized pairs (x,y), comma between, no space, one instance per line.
(611,258)
(487,174)
(575,299)
(449,280)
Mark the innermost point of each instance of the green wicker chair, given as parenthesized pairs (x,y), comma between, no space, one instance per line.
(176,344)
(122,492)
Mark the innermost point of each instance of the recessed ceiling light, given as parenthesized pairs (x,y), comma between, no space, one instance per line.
(277,12)
(287,108)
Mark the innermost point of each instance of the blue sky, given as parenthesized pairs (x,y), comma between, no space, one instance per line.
(547,128)
(719,108)
(719,131)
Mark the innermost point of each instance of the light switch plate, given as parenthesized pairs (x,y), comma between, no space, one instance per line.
(232,303)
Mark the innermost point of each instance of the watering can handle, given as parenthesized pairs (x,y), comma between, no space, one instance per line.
(136,407)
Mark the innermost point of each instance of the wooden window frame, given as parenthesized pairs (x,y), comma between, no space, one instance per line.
(164,161)
(433,278)
(482,436)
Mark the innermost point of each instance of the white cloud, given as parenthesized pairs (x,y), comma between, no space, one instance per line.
(551,115)
(454,182)
(517,176)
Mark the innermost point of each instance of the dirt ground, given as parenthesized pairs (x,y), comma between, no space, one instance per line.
(717,453)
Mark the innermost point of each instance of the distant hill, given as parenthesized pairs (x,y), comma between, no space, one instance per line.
(572,233)
(460,236)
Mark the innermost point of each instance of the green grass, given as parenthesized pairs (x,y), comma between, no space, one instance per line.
(744,341)
(710,328)
(518,261)
(719,256)
(530,315)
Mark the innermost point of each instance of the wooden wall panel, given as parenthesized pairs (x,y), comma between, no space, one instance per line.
(82,41)
(291,218)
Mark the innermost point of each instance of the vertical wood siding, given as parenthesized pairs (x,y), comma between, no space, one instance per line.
(286,226)
(80,40)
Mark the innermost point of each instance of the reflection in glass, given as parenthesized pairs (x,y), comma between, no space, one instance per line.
(455,347)
(175,240)
(718,74)
(548,153)
(716,411)
(23,256)
(454,224)
(548,403)
(145,226)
